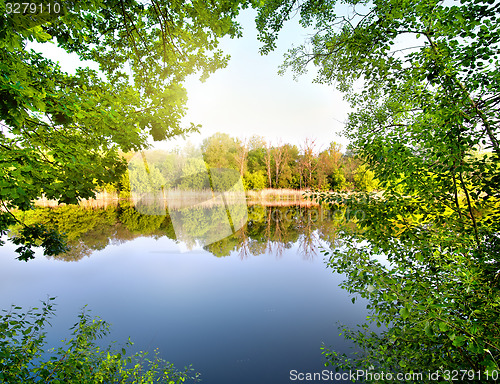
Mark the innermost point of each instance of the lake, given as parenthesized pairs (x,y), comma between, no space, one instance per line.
(247,308)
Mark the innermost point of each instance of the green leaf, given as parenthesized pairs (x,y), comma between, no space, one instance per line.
(443,327)
(404,313)
(428,330)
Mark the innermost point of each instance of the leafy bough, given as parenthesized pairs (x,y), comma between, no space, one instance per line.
(80,360)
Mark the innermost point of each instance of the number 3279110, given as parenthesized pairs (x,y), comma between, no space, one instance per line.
(26,8)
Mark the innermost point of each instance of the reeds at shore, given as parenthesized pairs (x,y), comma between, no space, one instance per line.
(278,197)
(178,199)
(103,199)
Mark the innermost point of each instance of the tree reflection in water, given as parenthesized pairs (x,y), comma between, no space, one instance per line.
(269,229)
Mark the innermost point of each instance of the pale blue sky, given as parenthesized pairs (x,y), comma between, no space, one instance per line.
(248,97)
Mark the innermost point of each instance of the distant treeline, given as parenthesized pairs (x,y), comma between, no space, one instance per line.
(260,163)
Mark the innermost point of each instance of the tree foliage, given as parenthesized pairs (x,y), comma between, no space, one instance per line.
(23,358)
(422,78)
(364,179)
(62,131)
(281,165)
(284,164)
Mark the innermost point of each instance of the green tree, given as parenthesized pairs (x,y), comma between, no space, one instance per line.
(256,154)
(336,180)
(220,151)
(430,93)
(194,175)
(62,132)
(289,176)
(308,164)
(144,180)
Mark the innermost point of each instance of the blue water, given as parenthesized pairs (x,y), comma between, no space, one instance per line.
(235,319)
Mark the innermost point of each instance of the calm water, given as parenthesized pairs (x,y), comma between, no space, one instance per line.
(247,309)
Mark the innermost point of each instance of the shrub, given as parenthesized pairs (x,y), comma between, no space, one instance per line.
(80,360)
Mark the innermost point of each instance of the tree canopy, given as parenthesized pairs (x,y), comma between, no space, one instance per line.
(62,132)
(422,78)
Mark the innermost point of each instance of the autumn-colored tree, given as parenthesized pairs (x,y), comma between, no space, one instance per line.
(268,158)
(280,159)
(241,155)
(308,161)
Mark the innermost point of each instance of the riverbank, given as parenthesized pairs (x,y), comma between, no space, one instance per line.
(266,197)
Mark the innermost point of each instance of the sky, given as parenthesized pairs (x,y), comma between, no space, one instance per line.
(248,97)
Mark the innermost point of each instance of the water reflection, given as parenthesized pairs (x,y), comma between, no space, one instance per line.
(268,229)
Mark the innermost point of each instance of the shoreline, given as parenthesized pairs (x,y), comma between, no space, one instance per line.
(266,197)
